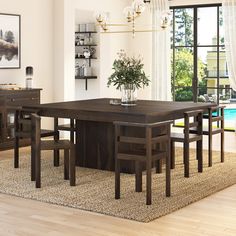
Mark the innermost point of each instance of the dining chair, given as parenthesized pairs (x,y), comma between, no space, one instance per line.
(215,117)
(32,130)
(140,142)
(39,145)
(22,130)
(192,119)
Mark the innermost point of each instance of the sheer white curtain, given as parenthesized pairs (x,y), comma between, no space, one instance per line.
(161,80)
(229,14)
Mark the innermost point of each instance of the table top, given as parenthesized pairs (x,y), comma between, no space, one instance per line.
(102,110)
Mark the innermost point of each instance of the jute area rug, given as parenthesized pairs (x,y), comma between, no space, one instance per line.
(95,188)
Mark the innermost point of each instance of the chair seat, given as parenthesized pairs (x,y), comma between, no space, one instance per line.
(205,131)
(179,137)
(55,145)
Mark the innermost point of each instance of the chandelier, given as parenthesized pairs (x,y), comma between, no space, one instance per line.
(131,13)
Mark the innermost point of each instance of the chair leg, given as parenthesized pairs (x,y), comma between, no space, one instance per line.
(210,150)
(222,148)
(117,179)
(33,165)
(149,183)
(56,159)
(172,157)
(38,167)
(72,166)
(138,177)
(199,156)
(159,166)
(168,177)
(66,164)
(186,159)
(16,153)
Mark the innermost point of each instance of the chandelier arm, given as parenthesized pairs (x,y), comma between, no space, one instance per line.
(132,12)
(131,31)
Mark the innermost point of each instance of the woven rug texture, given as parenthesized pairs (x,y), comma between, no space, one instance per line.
(94,190)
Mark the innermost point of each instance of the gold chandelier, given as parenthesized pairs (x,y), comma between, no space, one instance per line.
(131,14)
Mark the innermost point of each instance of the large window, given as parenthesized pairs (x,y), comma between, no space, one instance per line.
(199,68)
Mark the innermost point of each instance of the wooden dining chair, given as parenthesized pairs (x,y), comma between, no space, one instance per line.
(141,143)
(22,130)
(38,145)
(33,121)
(192,119)
(215,117)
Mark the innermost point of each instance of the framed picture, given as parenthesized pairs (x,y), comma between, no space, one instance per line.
(9,41)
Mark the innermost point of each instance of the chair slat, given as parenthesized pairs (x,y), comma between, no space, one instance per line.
(125,139)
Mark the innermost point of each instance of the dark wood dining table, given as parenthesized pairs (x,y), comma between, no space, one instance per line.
(94,123)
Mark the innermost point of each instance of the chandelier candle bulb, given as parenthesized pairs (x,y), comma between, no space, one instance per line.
(131,13)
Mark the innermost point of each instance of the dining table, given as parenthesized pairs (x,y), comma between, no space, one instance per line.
(94,123)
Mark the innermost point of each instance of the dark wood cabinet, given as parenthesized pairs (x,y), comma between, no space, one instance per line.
(9,100)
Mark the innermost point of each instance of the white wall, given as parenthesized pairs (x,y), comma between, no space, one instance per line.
(142,45)
(109,45)
(64,50)
(36,44)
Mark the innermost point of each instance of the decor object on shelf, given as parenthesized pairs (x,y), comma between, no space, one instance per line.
(29,77)
(9,41)
(131,13)
(90,27)
(9,86)
(128,76)
(86,53)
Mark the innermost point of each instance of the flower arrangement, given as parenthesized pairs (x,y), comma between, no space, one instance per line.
(128,71)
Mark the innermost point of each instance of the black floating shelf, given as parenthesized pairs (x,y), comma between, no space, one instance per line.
(87,45)
(86,32)
(90,58)
(86,79)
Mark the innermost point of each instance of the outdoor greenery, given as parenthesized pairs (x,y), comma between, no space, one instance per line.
(128,71)
(182,70)
(183,23)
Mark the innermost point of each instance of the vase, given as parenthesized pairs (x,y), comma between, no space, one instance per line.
(128,95)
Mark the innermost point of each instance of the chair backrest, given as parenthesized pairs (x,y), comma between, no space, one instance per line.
(218,116)
(193,119)
(138,135)
(23,123)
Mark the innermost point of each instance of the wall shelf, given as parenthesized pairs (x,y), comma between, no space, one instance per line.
(87,45)
(80,49)
(86,77)
(83,58)
(86,32)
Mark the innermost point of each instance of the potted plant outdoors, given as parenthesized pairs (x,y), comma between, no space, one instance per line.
(128,76)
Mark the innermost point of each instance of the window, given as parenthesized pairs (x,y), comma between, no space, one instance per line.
(199,66)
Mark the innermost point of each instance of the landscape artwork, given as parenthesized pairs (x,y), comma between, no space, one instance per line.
(9,41)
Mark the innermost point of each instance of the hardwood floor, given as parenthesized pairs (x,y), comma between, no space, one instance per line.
(215,215)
